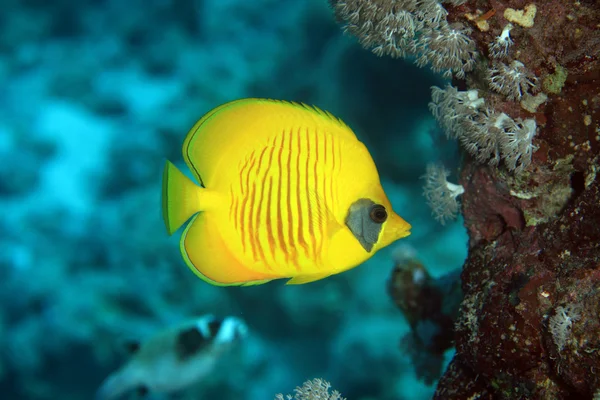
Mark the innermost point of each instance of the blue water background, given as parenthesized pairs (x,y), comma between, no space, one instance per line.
(95,95)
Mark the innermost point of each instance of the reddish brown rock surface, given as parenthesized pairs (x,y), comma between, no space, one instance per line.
(529,326)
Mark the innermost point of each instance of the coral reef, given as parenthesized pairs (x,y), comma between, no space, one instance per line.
(525,108)
(315,389)
(529,322)
(95,96)
(409,28)
(440,194)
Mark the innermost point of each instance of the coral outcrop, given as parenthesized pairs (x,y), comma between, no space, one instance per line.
(525,107)
(529,325)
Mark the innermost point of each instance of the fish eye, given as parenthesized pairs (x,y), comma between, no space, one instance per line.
(378,213)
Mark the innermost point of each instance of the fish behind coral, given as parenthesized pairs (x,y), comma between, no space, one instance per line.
(288,192)
(175,359)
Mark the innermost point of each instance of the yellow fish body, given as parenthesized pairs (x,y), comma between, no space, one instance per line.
(287,191)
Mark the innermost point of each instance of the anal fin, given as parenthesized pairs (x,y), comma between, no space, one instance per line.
(206,253)
(301,279)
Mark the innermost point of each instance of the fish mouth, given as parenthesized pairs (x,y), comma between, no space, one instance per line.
(402,228)
(397,229)
(404,234)
(407,231)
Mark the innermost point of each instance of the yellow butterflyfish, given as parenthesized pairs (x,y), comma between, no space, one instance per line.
(286,190)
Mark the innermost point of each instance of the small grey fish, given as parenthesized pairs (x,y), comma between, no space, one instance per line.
(174,359)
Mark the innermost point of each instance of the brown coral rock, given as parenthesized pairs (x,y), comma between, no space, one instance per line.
(529,326)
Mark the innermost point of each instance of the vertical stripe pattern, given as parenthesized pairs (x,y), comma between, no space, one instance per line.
(283,198)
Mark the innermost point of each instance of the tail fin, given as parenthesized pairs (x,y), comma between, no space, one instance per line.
(180,198)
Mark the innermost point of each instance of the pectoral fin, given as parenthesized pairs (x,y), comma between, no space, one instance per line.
(324,214)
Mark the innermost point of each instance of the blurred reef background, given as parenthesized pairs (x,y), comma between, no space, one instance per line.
(495,103)
(95,95)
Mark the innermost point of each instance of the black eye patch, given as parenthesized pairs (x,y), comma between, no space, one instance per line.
(189,342)
(365,219)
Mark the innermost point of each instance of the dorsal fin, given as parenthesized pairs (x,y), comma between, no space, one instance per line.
(226,135)
(316,110)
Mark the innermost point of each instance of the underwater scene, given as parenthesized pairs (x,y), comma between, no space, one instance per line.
(299,199)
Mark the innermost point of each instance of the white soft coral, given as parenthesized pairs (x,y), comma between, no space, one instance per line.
(453,108)
(448,49)
(488,135)
(561,324)
(440,194)
(500,46)
(481,136)
(512,80)
(516,143)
